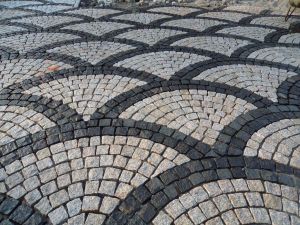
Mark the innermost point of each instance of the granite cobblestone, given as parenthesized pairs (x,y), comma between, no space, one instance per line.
(169,115)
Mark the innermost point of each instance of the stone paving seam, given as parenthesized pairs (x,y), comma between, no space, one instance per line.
(121,152)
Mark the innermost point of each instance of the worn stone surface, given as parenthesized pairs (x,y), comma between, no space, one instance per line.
(169,115)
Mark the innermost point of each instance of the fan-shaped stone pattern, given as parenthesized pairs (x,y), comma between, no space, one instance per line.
(144,18)
(85,177)
(163,64)
(47,21)
(94,12)
(17,70)
(17,122)
(245,9)
(236,201)
(193,24)
(290,38)
(27,42)
(231,16)
(14,4)
(98,28)
(277,22)
(149,36)
(93,51)
(48,8)
(279,141)
(85,94)
(262,80)
(284,55)
(199,113)
(257,33)
(180,11)
(220,45)
(6,29)
(11,13)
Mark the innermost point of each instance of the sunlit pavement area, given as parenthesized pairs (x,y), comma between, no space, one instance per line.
(173,115)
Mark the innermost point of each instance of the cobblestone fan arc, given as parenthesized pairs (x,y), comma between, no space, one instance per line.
(168,115)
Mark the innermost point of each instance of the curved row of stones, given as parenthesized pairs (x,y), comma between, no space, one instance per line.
(101,170)
(213,192)
(174,115)
(235,201)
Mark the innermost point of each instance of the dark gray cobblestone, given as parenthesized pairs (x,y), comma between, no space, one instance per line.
(15,212)
(169,115)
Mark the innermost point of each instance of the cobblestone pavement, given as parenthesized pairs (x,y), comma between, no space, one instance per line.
(173,115)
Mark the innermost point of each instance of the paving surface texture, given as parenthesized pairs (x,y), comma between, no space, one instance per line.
(173,115)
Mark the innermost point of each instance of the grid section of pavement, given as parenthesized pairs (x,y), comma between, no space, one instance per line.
(171,115)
